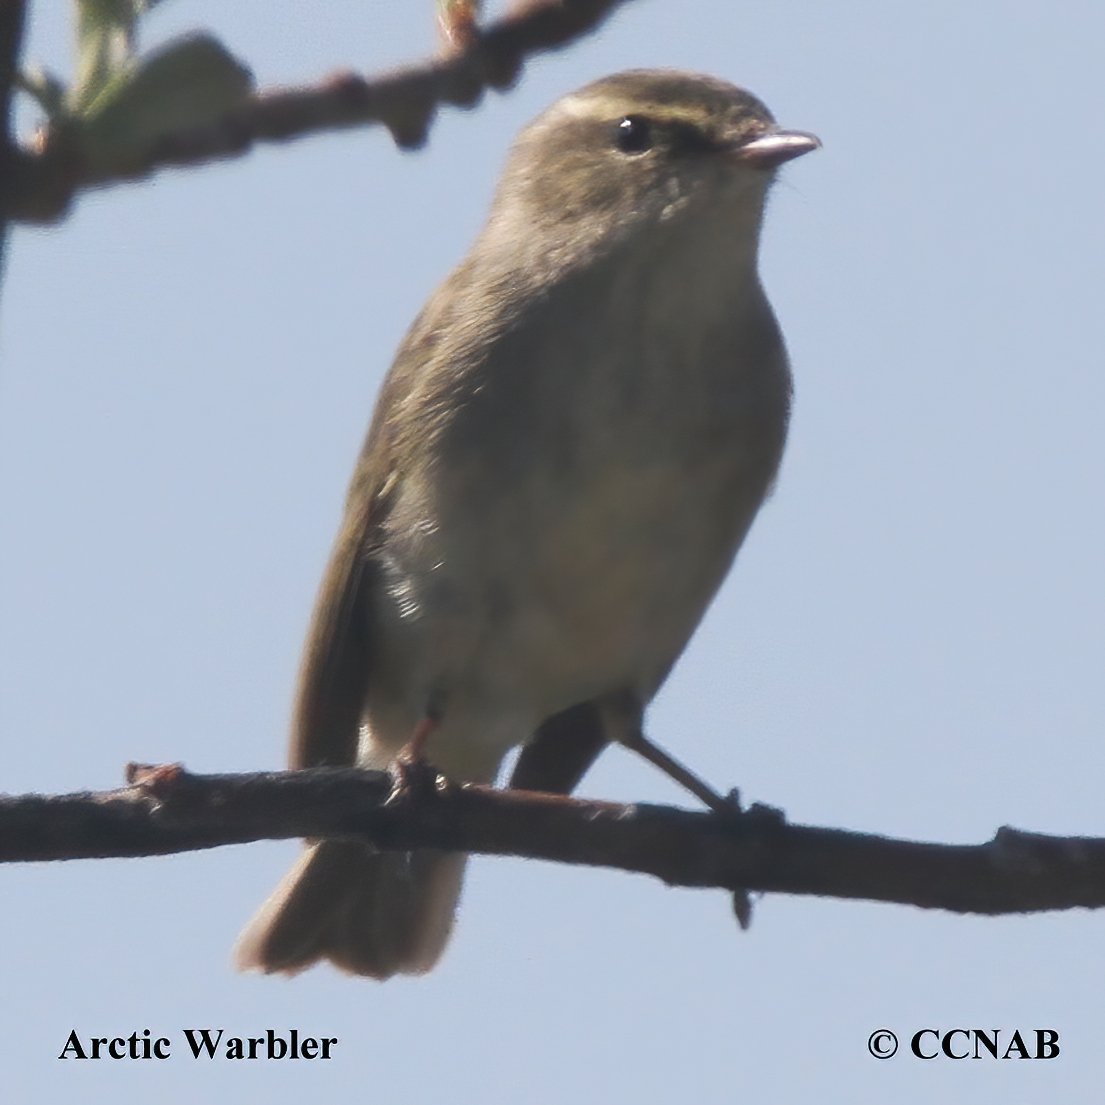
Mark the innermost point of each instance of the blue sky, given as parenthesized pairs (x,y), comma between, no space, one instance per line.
(911,642)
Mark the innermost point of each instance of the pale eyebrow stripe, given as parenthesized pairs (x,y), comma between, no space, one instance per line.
(611,108)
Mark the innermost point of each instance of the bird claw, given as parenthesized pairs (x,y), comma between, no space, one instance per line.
(412,777)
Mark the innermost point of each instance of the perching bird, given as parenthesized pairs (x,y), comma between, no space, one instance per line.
(570,447)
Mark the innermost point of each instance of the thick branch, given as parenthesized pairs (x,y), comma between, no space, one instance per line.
(170,810)
(43,183)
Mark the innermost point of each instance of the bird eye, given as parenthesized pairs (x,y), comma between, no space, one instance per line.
(633,135)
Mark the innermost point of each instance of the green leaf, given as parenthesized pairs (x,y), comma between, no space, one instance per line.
(106,41)
(191,81)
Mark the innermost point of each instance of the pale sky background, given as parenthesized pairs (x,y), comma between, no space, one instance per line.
(912,641)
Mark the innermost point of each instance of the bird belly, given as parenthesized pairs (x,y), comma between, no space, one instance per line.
(559,582)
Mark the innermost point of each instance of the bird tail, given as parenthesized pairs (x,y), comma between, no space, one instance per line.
(371,913)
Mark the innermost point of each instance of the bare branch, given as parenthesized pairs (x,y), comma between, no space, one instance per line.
(12,21)
(42,183)
(169,810)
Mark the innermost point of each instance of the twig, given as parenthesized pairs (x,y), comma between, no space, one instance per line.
(169,810)
(12,21)
(42,183)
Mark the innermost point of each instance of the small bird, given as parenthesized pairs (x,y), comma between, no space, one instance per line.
(569,449)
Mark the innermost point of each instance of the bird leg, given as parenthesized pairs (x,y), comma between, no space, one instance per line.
(412,774)
(623,716)
(636,741)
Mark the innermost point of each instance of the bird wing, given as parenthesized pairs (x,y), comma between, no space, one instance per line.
(561,751)
(337,659)
(417,397)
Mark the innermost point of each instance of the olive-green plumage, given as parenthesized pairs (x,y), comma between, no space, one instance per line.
(573,440)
